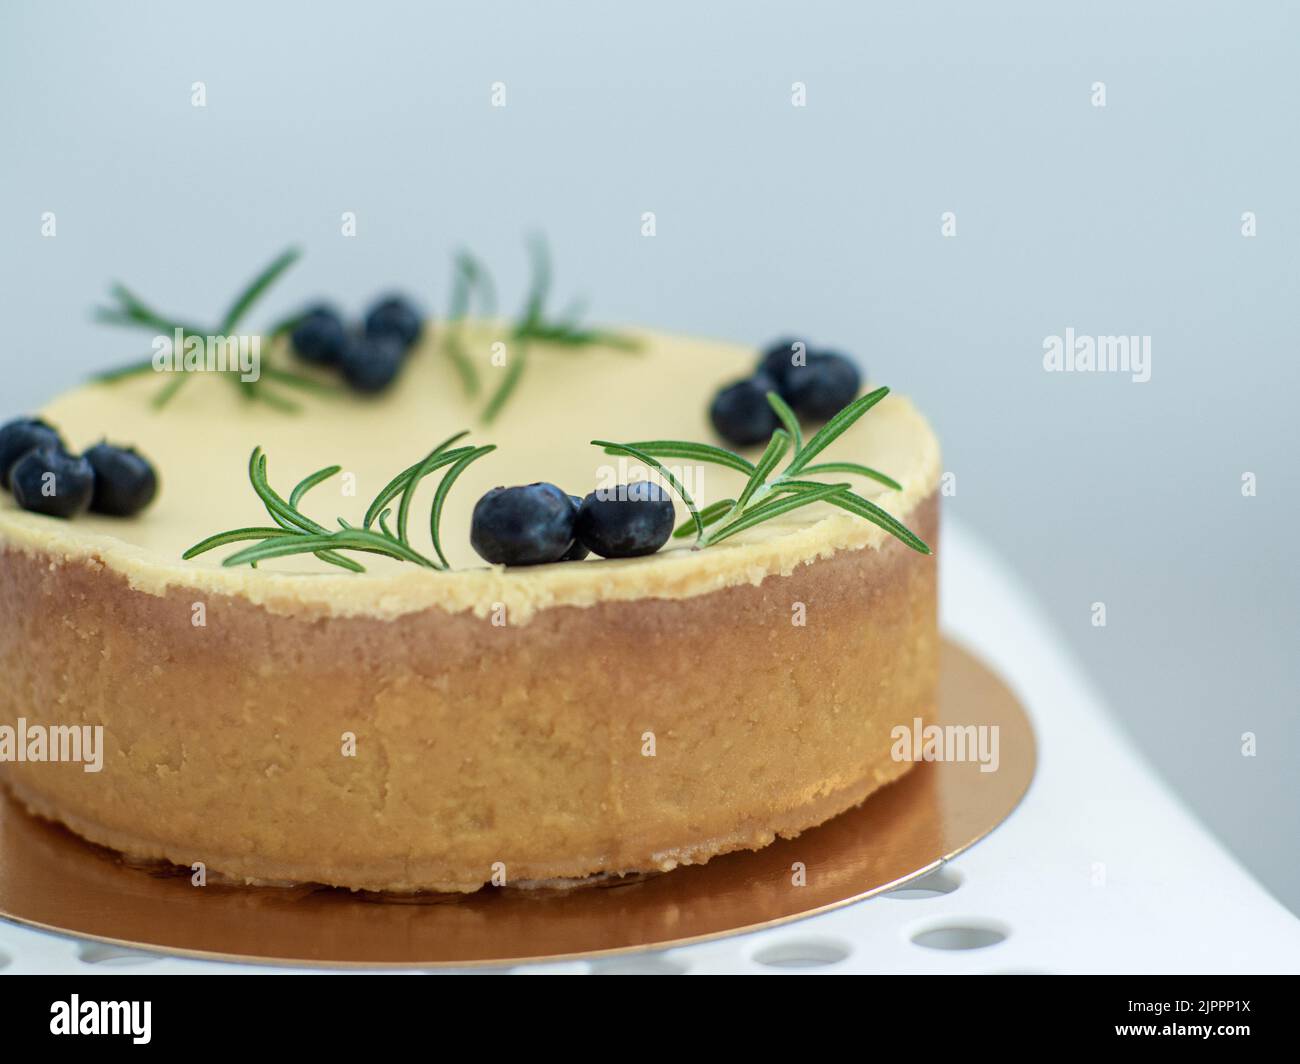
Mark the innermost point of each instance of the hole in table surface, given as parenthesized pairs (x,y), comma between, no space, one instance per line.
(965,935)
(803,953)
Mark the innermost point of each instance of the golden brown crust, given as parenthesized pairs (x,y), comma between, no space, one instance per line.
(476,743)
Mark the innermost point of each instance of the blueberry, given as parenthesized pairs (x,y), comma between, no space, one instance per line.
(125,482)
(741,413)
(320,336)
(51,481)
(371,363)
(523,526)
(627,521)
(576,551)
(822,388)
(20,436)
(394,316)
(778,360)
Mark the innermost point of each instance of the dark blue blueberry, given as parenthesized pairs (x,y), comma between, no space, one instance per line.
(125,482)
(741,413)
(320,336)
(395,316)
(576,551)
(778,360)
(51,481)
(20,436)
(822,388)
(371,363)
(627,521)
(528,525)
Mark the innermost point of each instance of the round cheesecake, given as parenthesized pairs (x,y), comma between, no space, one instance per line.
(404,729)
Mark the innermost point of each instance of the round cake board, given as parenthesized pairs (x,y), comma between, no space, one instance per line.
(51,879)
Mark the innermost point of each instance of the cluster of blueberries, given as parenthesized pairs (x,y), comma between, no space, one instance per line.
(817,385)
(46,478)
(369,357)
(539,523)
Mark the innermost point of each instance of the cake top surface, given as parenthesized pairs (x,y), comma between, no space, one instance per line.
(201,441)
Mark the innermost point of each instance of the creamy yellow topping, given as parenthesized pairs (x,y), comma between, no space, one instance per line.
(201,441)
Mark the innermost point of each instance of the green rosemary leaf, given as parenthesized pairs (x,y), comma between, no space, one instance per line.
(276,402)
(130,310)
(569,317)
(627,449)
(256,288)
(307,483)
(700,452)
(421,471)
(133,306)
(120,316)
(462,363)
(354,539)
(856,504)
(708,516)
(440,496)
(131,369)
(781,484)
(835,428)
(168,391)
(532,325)
(482,282)
(540,288)
(772,454)
(853,467)
(787,418)
(774,508)
(470,277)
(461,283)
(389,492)
(299,534)
(341,561)
(235,535)
(568,336)
(300,381)
(376,543)
(604,338)
(277,507)
(395,486)
(509,382)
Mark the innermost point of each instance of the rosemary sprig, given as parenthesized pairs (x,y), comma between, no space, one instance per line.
(472,284)
(469,279)
(765,496)
(130,310)
(296,533)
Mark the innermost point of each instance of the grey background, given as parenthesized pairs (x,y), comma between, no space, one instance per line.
(822,221)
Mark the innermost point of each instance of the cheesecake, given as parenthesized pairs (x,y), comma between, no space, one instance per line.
(406,729)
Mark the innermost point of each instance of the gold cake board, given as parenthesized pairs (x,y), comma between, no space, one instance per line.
(50,879)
